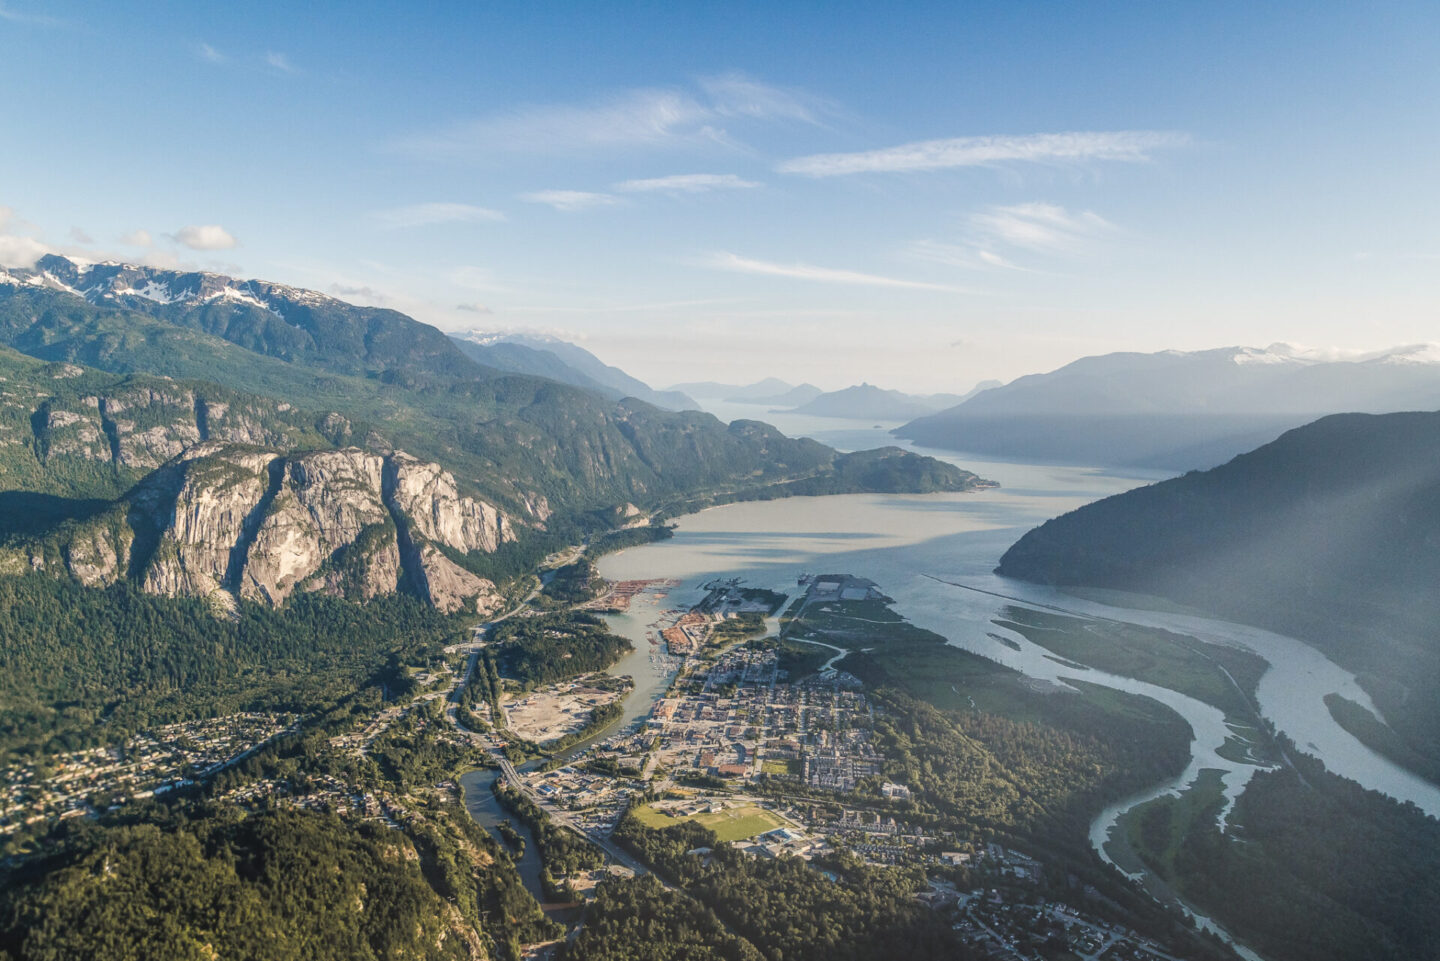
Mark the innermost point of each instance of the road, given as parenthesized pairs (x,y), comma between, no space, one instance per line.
(618,854)
(507,770)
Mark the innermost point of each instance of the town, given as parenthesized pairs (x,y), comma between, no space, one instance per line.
(775,765)
(779,766)
(144,765)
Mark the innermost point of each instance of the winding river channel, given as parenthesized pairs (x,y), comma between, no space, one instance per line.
(920,548)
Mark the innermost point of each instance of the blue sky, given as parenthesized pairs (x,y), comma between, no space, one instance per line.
(918,195)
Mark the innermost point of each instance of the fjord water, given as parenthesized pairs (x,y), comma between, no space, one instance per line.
(906,542)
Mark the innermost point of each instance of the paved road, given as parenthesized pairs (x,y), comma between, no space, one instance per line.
(616,853)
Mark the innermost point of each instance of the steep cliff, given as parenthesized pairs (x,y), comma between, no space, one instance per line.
(226,521)
(66,429)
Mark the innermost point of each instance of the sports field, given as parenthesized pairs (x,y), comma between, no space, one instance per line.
(732,824)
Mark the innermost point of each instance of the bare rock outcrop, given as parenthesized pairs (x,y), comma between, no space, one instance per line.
(219,489)
(324,503)
(450,587)
(427,496)
(233,520)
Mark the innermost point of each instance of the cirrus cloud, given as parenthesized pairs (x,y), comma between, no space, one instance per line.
(746,265)
(996,235)
(424,215)
(1131,146)
(685,184)
(570,200)
(644,117)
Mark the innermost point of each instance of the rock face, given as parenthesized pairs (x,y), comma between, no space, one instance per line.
(324,503)
(223,519)
(426,494)
(218,491)
(62,421)
(451,587)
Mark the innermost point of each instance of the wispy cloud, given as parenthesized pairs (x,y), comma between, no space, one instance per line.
(78,235)
(362,292)
(745,265)
(685,184)
(205,237)
(208,53)
(1131,146)
(424,215)
(570,200)
(645,117)
(995,236)
(137,238)
(737,95)
(9,13)
(1040,226)
(474,308)
(280,63)
(604,308)
(18,246)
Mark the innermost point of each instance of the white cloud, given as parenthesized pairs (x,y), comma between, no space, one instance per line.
(424,215)
(570,200)
(80,236)
(280,62)
(685,184)
(207,52)
(9,13)
(474,308)
(1035,228)
(137,238)
(736,95)
(745,265)
(960,255)
(205,237)
(17,249)
(1121,145)
(21,251)
(1039,226)
(645,117)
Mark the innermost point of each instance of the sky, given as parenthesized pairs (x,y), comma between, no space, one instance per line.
(918,195)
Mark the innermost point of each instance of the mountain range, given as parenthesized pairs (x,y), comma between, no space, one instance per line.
(1331,534)
(858,402)
(867,402)
(542,356)
(771,390)
(197,434)
(1174,409)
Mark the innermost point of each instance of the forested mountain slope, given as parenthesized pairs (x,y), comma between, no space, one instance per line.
(383,381)
(1330,533)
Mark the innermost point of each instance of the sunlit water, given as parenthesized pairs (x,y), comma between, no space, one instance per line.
(904,542)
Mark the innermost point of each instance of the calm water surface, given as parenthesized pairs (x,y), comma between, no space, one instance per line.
(904,542)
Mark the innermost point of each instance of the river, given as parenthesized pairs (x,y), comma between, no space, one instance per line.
(906,542)
(911,545)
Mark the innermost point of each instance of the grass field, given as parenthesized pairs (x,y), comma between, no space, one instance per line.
(782,766)
(1170,660)
(854,624)
(1158,828)
(733,824)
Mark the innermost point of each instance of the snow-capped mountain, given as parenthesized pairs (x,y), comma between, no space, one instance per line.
(117,284)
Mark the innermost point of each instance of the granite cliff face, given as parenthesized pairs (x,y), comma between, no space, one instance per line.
(73,431)
(223,521)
